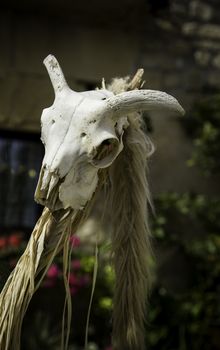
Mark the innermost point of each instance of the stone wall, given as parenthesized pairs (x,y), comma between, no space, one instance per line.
(181,55)
(177,46)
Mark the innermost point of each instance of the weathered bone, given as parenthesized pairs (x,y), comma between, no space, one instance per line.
(79,138)
(139,100)
(82,133)
(56,75)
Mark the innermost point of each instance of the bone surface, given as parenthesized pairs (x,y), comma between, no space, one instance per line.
(82,133)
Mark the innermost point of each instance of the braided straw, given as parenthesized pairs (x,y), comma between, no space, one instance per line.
(127,199)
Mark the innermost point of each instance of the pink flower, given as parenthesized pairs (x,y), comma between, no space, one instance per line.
(53,271)
(109,348)
(73,280)
(3,242)
(15,239)
(75,241)
(76,264)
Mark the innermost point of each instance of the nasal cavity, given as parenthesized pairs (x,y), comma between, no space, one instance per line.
(106,152)
(105,149)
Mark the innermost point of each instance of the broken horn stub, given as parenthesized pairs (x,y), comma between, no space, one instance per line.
(140,100)
(56,74)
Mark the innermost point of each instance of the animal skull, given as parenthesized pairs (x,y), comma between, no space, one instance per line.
(83,132)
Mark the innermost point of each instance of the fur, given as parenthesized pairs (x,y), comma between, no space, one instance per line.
(130,240)
(128,197)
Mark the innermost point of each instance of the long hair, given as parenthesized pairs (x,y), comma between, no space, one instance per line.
(128,199)
(127,202)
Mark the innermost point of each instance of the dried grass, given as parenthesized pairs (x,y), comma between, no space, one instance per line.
(127,195)
(50,235)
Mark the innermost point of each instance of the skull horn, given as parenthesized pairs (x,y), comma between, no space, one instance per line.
(140,100)
(56,75)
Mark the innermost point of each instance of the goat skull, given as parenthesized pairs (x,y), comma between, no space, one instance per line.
(83,132)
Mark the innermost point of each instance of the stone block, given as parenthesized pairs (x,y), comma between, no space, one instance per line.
(32,43)
(84,53)
(156,60)
(22,100)
(214,79)
(216,61)
(5,40)
(7,88)
(201,10)
(208,44)
(153,79)
(211,31)
(90,54)
(168,169)
(172,80)
(202,57)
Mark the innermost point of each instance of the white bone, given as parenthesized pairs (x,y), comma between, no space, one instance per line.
(55,73)
(139,100)
(73,130)
(97,94)
(83,132)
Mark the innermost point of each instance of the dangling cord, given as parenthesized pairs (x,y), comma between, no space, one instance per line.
(67,309)
(95,270)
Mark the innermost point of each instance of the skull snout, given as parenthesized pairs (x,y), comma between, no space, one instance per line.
(47,193)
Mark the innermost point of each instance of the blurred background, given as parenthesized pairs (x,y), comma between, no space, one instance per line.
(178,45)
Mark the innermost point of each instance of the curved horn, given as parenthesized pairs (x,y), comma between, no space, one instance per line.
(56,75)
(137,100)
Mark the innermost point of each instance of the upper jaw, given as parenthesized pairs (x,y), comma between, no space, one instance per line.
(60,180)
(75,187)
(47,190)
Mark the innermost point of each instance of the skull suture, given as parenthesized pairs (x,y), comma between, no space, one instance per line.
(83,132)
